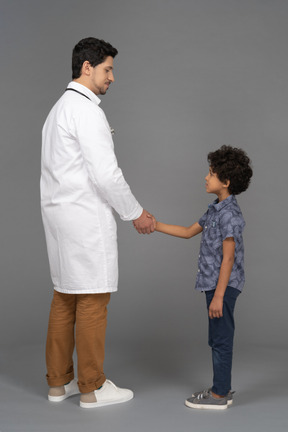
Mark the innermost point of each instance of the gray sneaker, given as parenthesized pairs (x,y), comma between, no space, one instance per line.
(229,395)
(205,400)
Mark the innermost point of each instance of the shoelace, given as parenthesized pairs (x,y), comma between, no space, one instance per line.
(204,395)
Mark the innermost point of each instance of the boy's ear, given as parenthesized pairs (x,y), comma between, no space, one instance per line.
(227,183)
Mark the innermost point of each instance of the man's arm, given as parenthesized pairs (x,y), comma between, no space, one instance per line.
(216,305)
(179,231)
(95,140)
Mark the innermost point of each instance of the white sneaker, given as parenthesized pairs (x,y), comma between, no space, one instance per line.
(108,394)
(58,394)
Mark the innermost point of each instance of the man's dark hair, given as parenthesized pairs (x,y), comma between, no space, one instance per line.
(92,50)
(231,164)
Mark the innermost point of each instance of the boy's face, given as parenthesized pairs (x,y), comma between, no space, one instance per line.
(214,185)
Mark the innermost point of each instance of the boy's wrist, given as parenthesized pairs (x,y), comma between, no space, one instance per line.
(219,295)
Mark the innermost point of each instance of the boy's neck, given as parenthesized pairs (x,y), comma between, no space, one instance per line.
(223,195)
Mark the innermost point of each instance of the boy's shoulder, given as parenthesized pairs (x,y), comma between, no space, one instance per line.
(232,211)
(227,209)
(229,205)
(233,205)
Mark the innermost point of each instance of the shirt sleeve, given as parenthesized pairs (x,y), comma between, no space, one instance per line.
(95,140)
(231,225)
(202,220)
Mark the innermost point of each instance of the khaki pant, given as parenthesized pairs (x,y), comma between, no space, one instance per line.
(88,314)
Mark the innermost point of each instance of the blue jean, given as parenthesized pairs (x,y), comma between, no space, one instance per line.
(221,335)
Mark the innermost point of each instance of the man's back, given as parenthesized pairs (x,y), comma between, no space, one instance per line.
(64,176)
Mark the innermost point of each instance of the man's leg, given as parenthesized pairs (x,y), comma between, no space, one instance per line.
(91,318)
(60,344)
(91,321)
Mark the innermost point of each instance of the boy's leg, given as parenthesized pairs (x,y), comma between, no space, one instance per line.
(221,335)
(91,320)
(60,340)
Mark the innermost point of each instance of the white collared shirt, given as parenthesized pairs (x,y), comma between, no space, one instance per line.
(81,184)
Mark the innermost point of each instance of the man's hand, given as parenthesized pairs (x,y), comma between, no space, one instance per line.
(145,224)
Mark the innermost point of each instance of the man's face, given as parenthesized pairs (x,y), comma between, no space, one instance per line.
(102,76)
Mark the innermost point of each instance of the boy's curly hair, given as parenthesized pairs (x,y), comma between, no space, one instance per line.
(231,164)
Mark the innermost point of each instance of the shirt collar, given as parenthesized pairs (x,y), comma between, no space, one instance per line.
(83,89)
(220,205)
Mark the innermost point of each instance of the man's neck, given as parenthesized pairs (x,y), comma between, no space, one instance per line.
(83,82)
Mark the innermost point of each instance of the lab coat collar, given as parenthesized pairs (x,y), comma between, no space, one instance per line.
(83,89)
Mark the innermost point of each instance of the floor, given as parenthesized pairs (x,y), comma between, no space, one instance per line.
(160,386)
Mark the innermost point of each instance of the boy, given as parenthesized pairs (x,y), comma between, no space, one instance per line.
(221,265)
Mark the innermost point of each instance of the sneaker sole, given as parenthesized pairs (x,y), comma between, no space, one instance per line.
(88,405)
(61,398)
(203,407)
(229,401)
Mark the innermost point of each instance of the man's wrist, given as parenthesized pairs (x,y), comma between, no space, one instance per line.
(139,214)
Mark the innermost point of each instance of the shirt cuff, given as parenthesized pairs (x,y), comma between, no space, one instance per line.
(134,215)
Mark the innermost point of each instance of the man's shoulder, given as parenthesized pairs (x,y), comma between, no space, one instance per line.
(68,110)
(77,102)
(77,107)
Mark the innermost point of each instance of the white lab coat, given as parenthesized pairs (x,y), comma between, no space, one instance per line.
(81,184)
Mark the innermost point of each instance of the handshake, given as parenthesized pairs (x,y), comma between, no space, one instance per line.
(146,223)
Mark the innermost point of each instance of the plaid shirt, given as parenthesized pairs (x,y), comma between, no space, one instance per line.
(222,220)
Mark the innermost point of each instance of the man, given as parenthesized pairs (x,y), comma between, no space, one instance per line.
(81,184)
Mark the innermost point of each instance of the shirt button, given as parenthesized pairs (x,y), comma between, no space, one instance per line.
(206,227)
(198,270)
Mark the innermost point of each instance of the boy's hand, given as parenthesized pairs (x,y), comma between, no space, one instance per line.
(216,307)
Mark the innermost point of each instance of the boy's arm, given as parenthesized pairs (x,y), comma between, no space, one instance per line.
(216,305)
(179,231)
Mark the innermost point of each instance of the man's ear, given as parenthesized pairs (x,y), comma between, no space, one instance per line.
(86,68)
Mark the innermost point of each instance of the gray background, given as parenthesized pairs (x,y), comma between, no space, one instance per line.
(190,76)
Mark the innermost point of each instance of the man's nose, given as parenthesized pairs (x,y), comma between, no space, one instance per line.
(111,77)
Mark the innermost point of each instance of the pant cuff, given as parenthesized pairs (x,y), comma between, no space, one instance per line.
(215,390)
(90,387)
(60,381)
